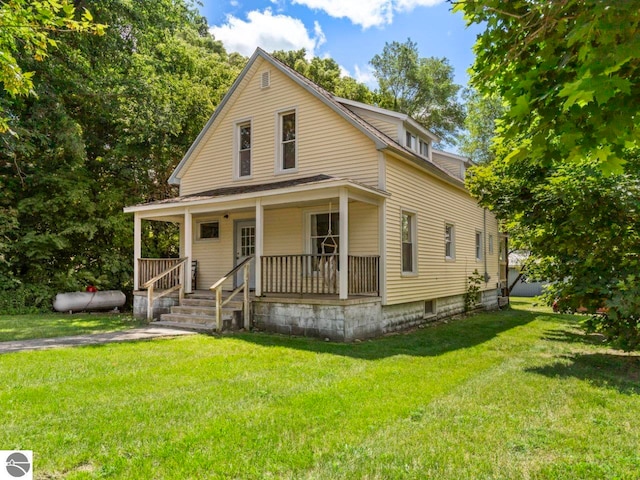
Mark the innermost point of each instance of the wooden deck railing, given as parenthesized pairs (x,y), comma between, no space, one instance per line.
(149,268)
(216,288)
(167,281)
(314,274)
(318,274)
(364,275)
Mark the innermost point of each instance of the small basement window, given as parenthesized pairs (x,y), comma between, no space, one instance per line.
(429,308)
(208,230)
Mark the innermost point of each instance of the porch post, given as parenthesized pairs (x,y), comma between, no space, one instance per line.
(382,249)
(188,247)
(259,246)
(137,249)
(344,244)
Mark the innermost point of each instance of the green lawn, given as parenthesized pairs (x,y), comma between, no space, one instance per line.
(24,327)
(520,394)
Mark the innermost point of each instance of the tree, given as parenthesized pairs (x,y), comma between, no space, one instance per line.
(326,73)
(27,26)
(567,163)
(482,112)
(420,87)
(111,118)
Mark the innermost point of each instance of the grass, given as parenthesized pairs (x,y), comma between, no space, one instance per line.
(25,327)
(515,394)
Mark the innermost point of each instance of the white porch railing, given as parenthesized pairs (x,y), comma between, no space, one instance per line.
(170,280)
(216,288)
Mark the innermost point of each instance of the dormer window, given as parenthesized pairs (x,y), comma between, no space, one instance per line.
(424,149)
(411,141)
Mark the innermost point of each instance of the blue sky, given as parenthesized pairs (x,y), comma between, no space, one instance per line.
(349,31)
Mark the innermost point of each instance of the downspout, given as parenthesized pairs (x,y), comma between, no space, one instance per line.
(484,245)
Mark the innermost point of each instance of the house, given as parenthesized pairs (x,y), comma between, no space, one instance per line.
(518,281)
(341,217)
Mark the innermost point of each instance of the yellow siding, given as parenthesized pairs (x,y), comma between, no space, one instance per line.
(363,229)
(388,127)
(284,234)
(435,204)
(215,256)
(452,165)
(326,142)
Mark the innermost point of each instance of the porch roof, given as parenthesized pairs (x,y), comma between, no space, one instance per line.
(242,192)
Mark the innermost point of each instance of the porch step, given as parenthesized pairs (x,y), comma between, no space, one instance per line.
(195,327)
(201,302)
(204,310)
(186,318)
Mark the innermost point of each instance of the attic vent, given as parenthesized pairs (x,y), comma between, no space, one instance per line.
(266,79)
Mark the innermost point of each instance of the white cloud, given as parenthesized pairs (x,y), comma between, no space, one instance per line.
(365,76)
(344,72)
(268,31)
(369,13)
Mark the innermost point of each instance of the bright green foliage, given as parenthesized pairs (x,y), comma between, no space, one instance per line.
(567,167)
(26,27)
(570,73)
(326,73)
(52,325)
(420,87)
(113,116)
(517,394)
(482,113)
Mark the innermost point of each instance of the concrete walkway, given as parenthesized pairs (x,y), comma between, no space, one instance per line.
(143,333)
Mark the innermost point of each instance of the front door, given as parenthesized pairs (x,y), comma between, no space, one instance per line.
(245,246)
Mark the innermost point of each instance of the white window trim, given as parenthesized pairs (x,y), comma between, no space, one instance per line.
(478,248)
(414,241)
(199,222)
(452,257)
(236,149)
(278,163)
(434,313)
(308,212)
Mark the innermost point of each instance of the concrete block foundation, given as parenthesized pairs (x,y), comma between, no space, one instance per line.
(348,320)
(160,305)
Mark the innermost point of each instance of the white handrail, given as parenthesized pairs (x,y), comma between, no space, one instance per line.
(216,288)
(149,285)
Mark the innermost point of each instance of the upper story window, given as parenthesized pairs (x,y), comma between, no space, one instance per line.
(288,152)
(244,149)
(424,149)
(408,242)
(449,242)
(411,141)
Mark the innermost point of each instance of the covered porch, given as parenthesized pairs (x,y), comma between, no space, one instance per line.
(300,240)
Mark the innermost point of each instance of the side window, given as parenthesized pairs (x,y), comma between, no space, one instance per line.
(491,244)
(449,242)
(408,242)
(208,230)
(287,156)
(244,149)
(478,245)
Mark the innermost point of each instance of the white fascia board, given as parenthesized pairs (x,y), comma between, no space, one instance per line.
(175,177)
(247,198)
(380,144)
(390,113)
(452,155)
(428,167)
